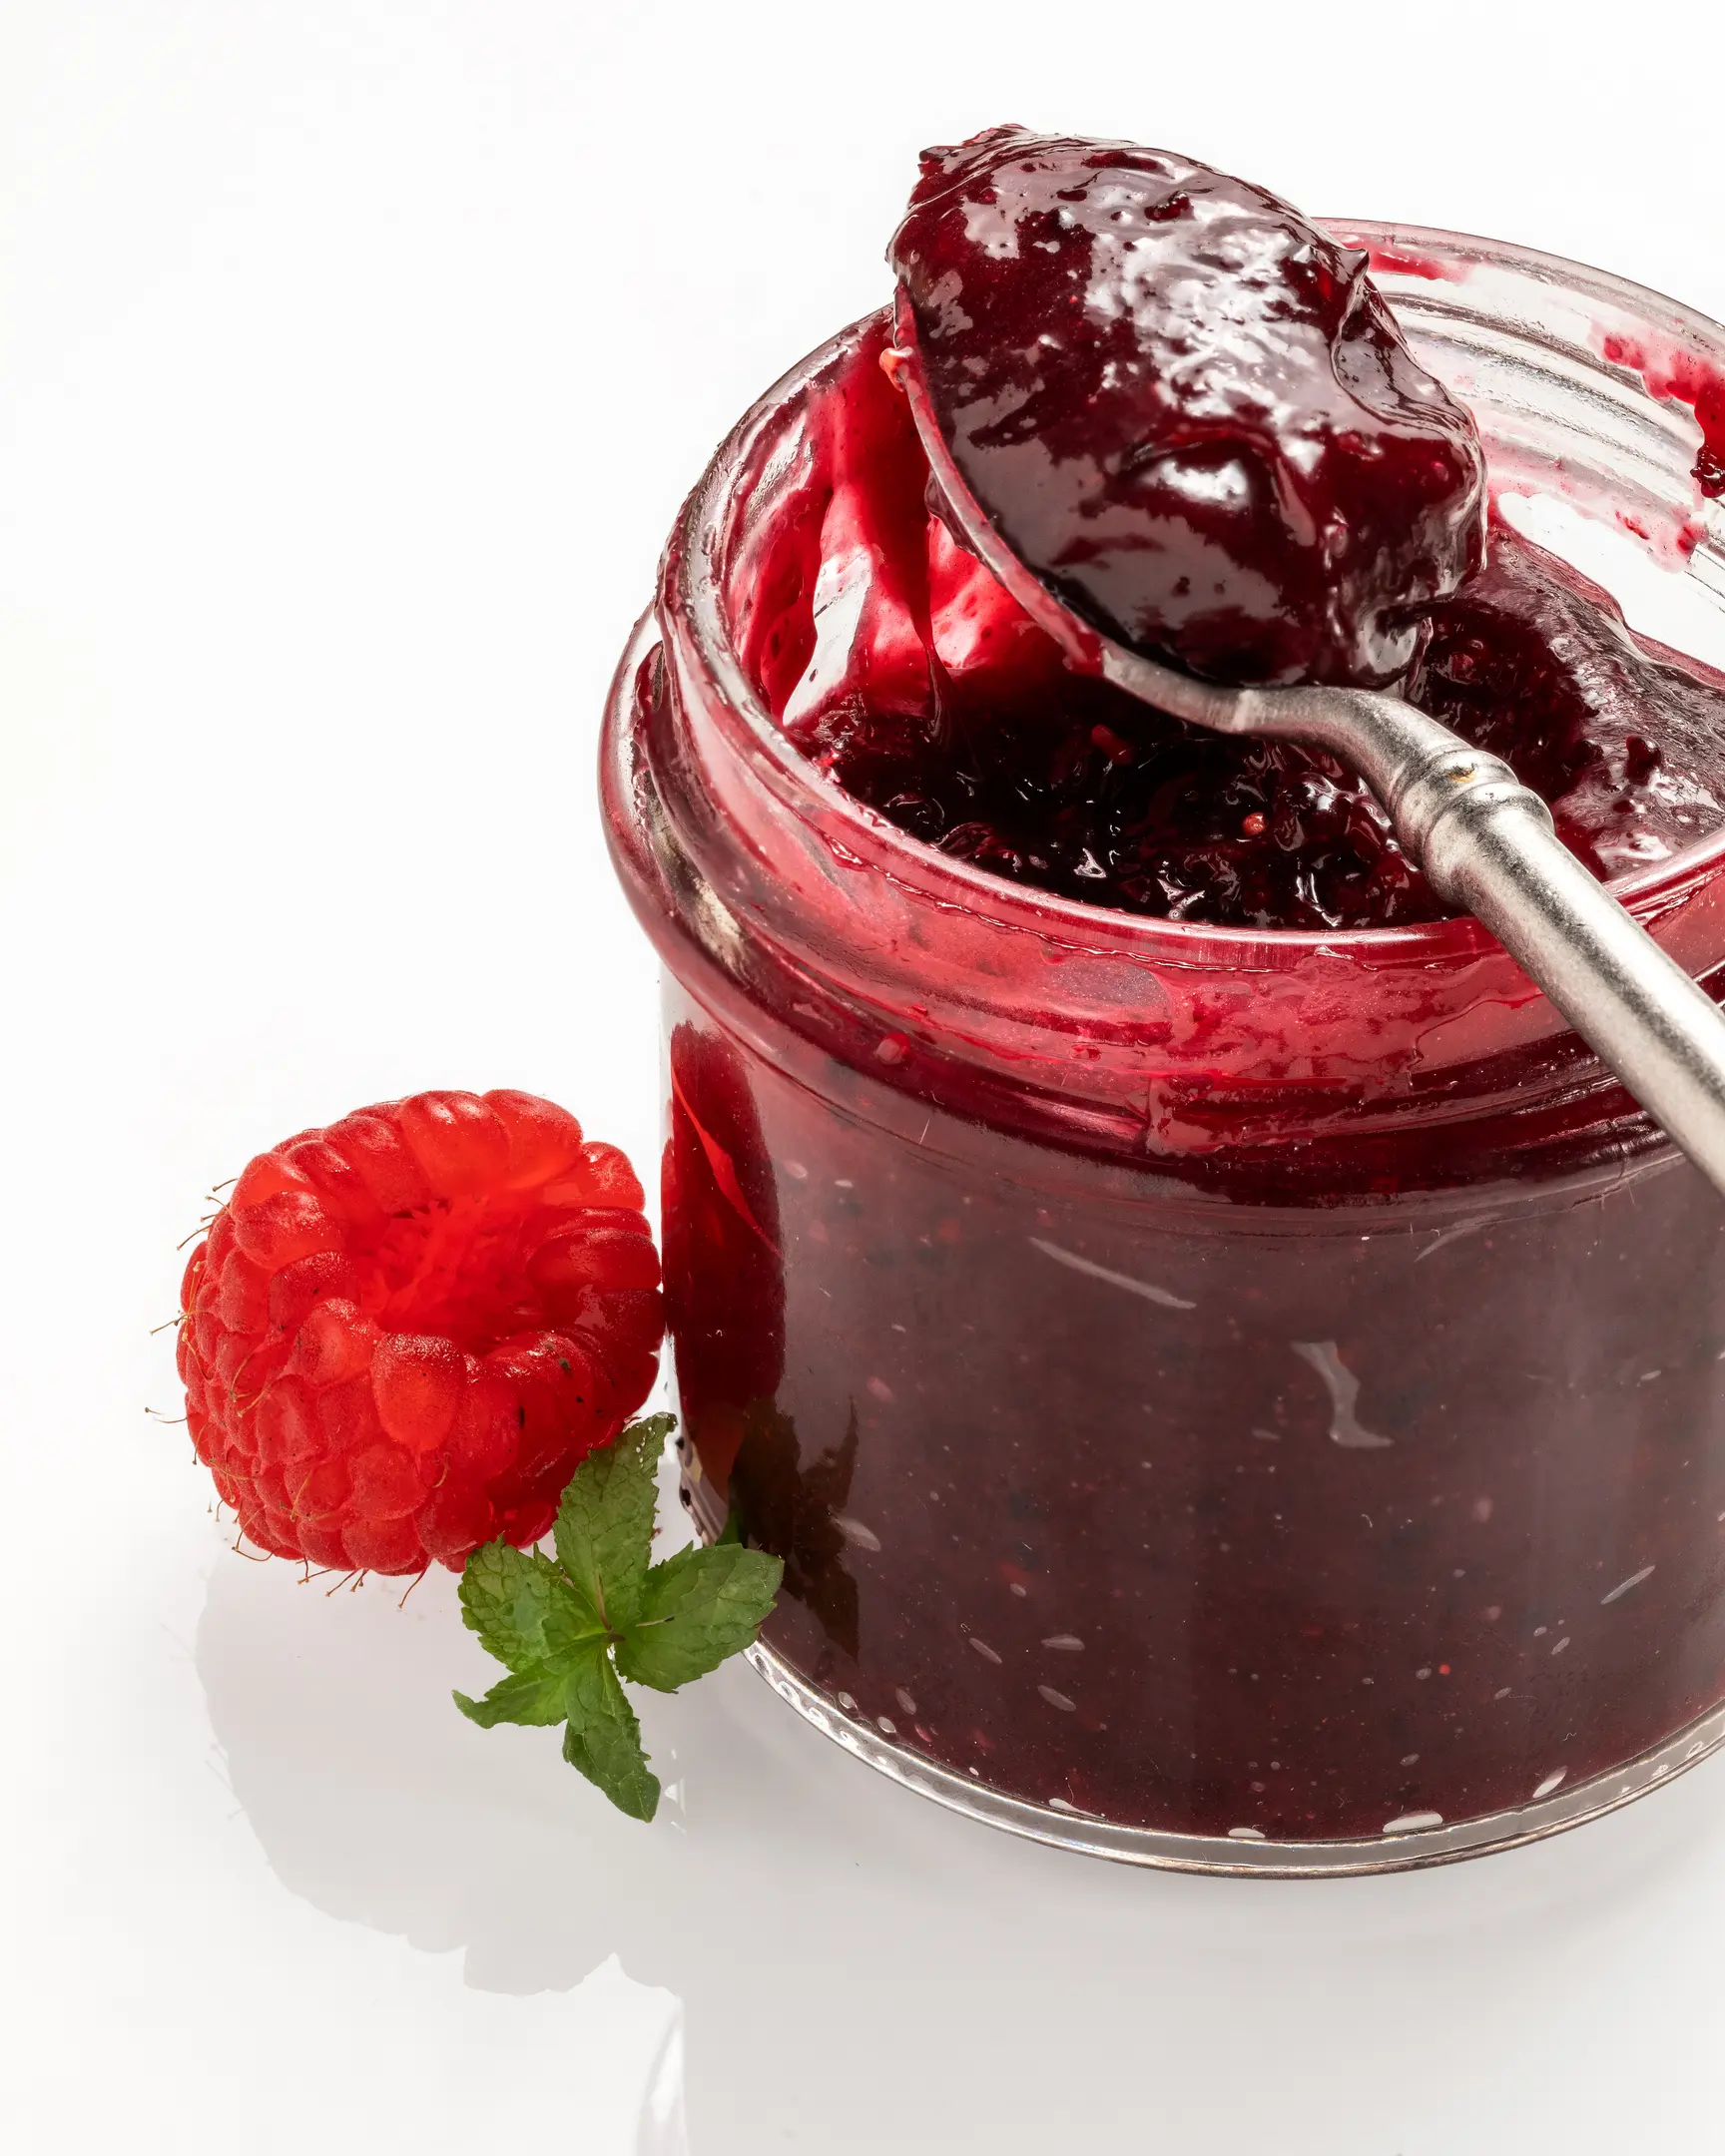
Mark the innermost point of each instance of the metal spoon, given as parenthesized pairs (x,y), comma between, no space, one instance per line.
(1484,841)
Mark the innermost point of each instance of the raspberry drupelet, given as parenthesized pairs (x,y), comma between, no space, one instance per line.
(404,1332)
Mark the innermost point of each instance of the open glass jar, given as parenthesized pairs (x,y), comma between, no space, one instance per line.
(1227,1400)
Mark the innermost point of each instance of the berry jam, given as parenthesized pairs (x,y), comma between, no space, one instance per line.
(1186,408)
(1219,1379)
(923,688)
(1300,1525)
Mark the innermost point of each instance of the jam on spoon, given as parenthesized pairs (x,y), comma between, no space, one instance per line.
(1189,409)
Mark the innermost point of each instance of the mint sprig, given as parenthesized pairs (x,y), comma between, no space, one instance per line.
(568,1630)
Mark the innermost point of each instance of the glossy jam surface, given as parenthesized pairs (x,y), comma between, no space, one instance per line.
(1186,408)
(907,674)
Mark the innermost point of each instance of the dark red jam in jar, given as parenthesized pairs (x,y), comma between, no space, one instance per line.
(1226,1395)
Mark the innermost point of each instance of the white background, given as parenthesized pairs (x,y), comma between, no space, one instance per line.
(353,359)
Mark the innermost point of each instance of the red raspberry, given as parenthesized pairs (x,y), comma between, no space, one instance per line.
(404,1332)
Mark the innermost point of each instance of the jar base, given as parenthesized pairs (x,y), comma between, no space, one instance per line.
(1237,1855)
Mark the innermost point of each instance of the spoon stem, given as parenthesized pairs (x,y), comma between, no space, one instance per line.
(1487,843)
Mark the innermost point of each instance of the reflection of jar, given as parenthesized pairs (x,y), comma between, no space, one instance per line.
(1224,1398)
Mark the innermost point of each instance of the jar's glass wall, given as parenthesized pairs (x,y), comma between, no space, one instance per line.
(1234,1386)
(1299,1524)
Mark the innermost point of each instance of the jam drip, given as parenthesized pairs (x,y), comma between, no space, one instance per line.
(1187,410)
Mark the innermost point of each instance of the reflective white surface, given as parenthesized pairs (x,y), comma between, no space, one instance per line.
(337,446)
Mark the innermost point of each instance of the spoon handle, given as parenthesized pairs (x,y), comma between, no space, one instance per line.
(1487,843)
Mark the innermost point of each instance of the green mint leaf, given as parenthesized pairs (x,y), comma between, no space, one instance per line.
(555,1626)
(697,1608)
(507,1596)
(603,1739)
(605,1523)
(570,1627)
(535,1696)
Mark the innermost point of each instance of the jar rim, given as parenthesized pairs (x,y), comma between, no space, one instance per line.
(693,586)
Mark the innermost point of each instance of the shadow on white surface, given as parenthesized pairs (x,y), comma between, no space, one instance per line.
(859,1969)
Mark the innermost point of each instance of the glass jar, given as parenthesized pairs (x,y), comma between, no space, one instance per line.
(1228,1399)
